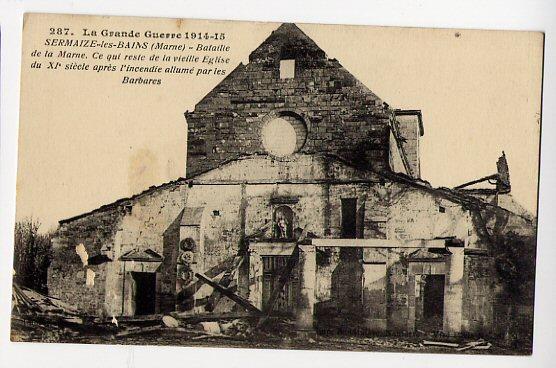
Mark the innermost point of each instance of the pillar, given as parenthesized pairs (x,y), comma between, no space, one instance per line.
(307,286)
(255,280)
(453,292)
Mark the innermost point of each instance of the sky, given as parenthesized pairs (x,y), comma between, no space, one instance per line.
(86,140)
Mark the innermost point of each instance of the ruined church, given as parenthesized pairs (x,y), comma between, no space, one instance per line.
(302,197)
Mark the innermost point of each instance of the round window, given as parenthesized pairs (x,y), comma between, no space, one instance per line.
(283,135)
(279,137)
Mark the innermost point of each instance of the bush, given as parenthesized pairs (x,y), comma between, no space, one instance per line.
(32,255)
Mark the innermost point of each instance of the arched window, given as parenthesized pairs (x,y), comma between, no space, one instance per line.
(283,222)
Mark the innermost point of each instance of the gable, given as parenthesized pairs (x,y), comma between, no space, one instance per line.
(341,115)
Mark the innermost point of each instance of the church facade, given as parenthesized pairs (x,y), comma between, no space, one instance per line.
(303,196)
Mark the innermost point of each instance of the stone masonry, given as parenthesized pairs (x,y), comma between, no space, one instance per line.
(377,248)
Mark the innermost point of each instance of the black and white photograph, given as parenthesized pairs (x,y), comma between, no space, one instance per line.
(276,185)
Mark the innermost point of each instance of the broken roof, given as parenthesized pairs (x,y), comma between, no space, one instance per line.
(453,195)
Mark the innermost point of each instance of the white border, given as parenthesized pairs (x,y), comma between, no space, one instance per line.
(522,15)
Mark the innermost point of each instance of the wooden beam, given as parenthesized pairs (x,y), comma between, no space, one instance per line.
(193,286)
(272,248)
(380,243)
(230,294)
(284,276)
(476,181)
(225,281)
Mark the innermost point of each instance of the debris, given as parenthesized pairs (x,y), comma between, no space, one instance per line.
(77,320)
(227,328)
(230,294)
(140,318)
(22,302)
(230,330)
(471,345)
(170,321)
(25,298)
(440,343)
(226,305)
(237,327)
(482,347)
(208,336)
(185,317)
(225,281)
(114,321)
(138,330)
(193,286)
(211,327)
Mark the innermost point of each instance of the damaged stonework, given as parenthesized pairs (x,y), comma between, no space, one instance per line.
(341,234)
(340,114)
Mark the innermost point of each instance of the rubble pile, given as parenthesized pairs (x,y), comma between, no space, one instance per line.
(37,317)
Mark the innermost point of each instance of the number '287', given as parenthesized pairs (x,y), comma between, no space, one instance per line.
(59,31)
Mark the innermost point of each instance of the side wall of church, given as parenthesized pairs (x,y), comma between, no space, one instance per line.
(67,273)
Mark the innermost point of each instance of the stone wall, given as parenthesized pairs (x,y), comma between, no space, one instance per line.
(410,133)
(420,214)
(222,220)
(236,202)
(397,290)
(67,275)
(397,162)
(151,222)
(400,212)
(341,115)
(478,300)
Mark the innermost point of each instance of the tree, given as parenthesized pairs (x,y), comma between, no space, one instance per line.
(515,257)
(32,255)
(515,264)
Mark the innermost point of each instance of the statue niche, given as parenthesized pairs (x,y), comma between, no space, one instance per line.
(283,223)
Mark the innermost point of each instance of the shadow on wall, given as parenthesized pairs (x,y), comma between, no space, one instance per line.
(343,312)
(167,276)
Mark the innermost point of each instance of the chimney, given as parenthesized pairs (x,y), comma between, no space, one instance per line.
(409,126)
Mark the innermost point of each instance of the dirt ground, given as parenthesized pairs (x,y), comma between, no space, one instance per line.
(28,331)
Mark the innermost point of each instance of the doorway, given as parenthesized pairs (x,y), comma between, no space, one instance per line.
(273,267)
(349,218)
(145,292)
(433,302)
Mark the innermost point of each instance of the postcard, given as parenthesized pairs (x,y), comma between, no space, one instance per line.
(276,185)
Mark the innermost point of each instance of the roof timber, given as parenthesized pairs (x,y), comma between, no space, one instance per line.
(387,243)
